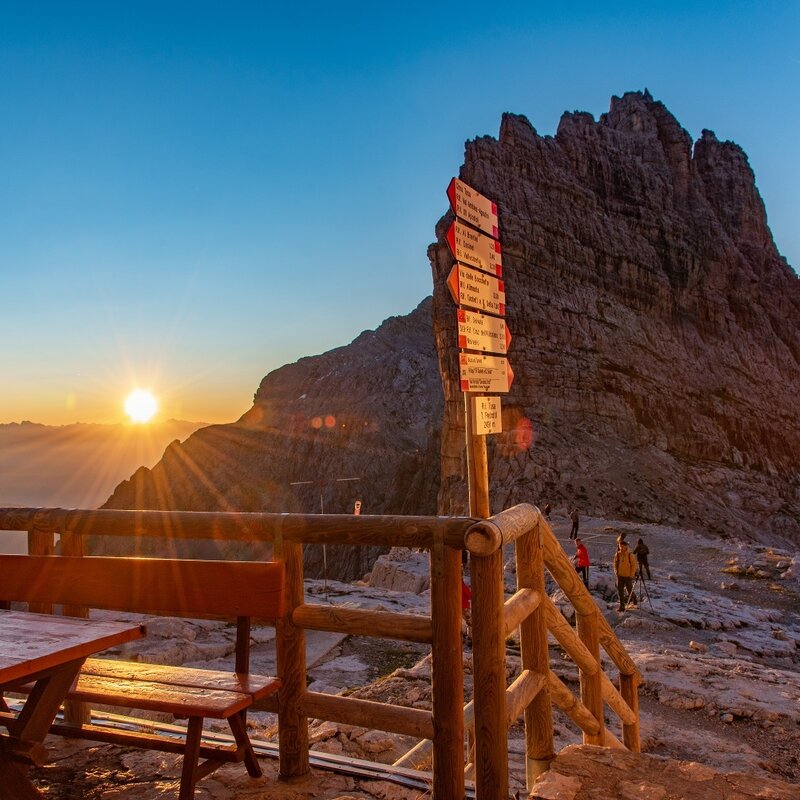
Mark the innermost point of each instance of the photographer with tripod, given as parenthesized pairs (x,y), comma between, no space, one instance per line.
(625,568)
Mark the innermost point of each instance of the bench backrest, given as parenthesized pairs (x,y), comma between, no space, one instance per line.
(178,587)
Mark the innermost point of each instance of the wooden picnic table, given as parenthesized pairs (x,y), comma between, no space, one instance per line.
(48,651)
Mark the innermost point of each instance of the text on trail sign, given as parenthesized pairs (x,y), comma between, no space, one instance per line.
(474,289)
(473,207)
(474,248)
(486,415)
(482,332)
(484,373)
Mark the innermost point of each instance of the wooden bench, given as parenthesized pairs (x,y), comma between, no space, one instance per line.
(183,588)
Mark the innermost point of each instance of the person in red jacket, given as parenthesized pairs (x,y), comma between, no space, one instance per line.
(466,613)
(581,561)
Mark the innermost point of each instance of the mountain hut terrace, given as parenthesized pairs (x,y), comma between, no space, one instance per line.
(451,734)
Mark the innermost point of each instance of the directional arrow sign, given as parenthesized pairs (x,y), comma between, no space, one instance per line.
(477,290)
(473,207)
(484,373)
(482,332)
(475,248)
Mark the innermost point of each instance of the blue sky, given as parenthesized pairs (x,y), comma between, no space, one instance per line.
(196,193)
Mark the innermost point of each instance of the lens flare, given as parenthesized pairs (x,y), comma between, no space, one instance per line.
(140,405)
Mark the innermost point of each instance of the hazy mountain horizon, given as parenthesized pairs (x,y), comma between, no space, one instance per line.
(77,465)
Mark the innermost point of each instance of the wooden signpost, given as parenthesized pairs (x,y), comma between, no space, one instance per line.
(483,340)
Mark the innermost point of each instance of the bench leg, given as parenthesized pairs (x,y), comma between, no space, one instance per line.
(238,723)
(194,734)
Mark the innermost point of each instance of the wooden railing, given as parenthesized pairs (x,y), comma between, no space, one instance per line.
(442,730)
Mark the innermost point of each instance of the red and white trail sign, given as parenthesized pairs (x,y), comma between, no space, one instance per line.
(474,289)
(474,248)
(484,373)
(473,207)
(482,332)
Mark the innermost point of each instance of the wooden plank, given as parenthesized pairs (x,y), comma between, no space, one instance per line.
(33,643)
(145,741)
(182,701)
(368,714)
(387,530)
(257,686)
(447,673)
(361,622)
(176,586)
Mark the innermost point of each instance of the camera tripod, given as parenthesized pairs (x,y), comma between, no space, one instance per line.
(640,584)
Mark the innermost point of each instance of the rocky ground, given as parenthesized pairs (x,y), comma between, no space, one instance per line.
(716,636)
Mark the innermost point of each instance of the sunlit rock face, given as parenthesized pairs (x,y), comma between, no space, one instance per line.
(656,327)
(656,351)
(369,411)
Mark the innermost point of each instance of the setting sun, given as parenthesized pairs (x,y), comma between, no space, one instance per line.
(140,405)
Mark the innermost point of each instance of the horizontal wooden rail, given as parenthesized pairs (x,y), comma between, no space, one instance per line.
(580,654)
(415,722)
(347,529)
(521,692)
(488,535)
(519,607)
(362,622)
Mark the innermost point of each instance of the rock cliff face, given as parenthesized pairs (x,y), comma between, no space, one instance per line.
(656,327)
(656,351)
(369,411)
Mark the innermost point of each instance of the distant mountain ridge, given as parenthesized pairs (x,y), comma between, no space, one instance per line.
(656,350)
(77,465)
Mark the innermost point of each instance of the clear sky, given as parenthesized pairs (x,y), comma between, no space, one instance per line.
(193,194)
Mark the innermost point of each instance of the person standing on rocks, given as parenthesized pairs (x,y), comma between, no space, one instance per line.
(641,551)
(625,567)
(573,515)
(581,560)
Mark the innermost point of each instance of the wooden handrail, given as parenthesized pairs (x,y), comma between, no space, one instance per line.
(487,535)
(385,530)
(519,607)
(362,622)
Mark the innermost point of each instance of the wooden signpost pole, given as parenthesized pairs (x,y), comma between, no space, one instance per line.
(479,373)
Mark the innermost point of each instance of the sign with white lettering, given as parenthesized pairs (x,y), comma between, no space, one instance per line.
(484,373)
(482,332)
(486,414)
(474,289)
(473,207)
(474,248)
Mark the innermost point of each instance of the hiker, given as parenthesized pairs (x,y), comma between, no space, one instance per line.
(625,570)
(466,599)
(581,561)
(573,515)
(547,510)
(641,551)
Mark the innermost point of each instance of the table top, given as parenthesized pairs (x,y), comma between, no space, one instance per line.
(32,643)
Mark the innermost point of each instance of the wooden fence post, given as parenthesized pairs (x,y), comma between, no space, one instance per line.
(73,544)
(489,676)
(290,645)
(447,673)
(629,689)
(41,543)
(539,750)
(591,684)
